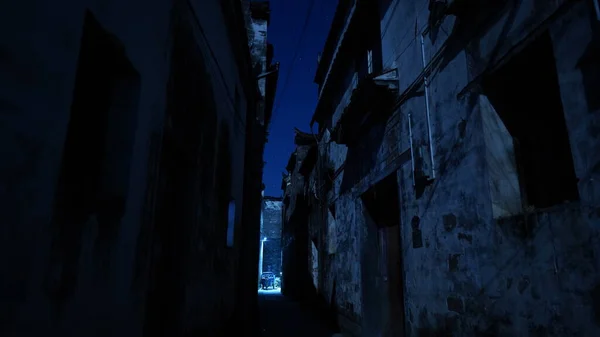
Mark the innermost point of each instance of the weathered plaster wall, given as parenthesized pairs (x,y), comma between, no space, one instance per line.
(348,259)
(40,43)
(257,32)
(487,286)
(509,277)
(259,51)
(374,157)
(295,242)
(271,230)
(272,256)
(297,187)
(272,217)
(314,264)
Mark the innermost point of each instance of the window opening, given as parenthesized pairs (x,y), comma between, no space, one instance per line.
(526,96)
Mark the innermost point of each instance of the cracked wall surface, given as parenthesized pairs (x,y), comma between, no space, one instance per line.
(466,270)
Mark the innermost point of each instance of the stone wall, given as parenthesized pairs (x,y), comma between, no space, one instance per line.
(271,230)
(272,256)
(272,217)
(295,242)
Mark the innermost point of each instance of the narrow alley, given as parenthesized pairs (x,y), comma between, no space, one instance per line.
(281,316)
(312,168)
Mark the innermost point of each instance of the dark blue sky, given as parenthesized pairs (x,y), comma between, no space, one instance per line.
(294,102)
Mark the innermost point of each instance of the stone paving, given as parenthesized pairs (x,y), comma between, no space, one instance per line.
(283,317)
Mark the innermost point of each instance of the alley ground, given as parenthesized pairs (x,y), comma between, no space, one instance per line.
(283,317)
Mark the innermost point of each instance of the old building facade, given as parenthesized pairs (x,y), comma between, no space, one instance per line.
(270,233)
(455,188)
(130,184)
(296,281)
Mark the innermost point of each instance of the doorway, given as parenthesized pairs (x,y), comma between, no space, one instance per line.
(382,276)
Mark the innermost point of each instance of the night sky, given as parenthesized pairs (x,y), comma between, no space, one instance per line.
(295,100)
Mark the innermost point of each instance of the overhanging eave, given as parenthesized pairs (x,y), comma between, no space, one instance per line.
(373,95)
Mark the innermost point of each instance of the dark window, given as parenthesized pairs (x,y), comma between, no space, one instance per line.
(526,96)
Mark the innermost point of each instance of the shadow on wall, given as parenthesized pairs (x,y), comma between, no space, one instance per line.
(471,24)
(94,176)
(318,305)
(297,281)
(296,276)
(184,186)
(543,155)
(361,158)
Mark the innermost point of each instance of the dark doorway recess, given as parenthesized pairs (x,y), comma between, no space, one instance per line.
(526,95)
(95,168)
(382,202)
(382,277)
